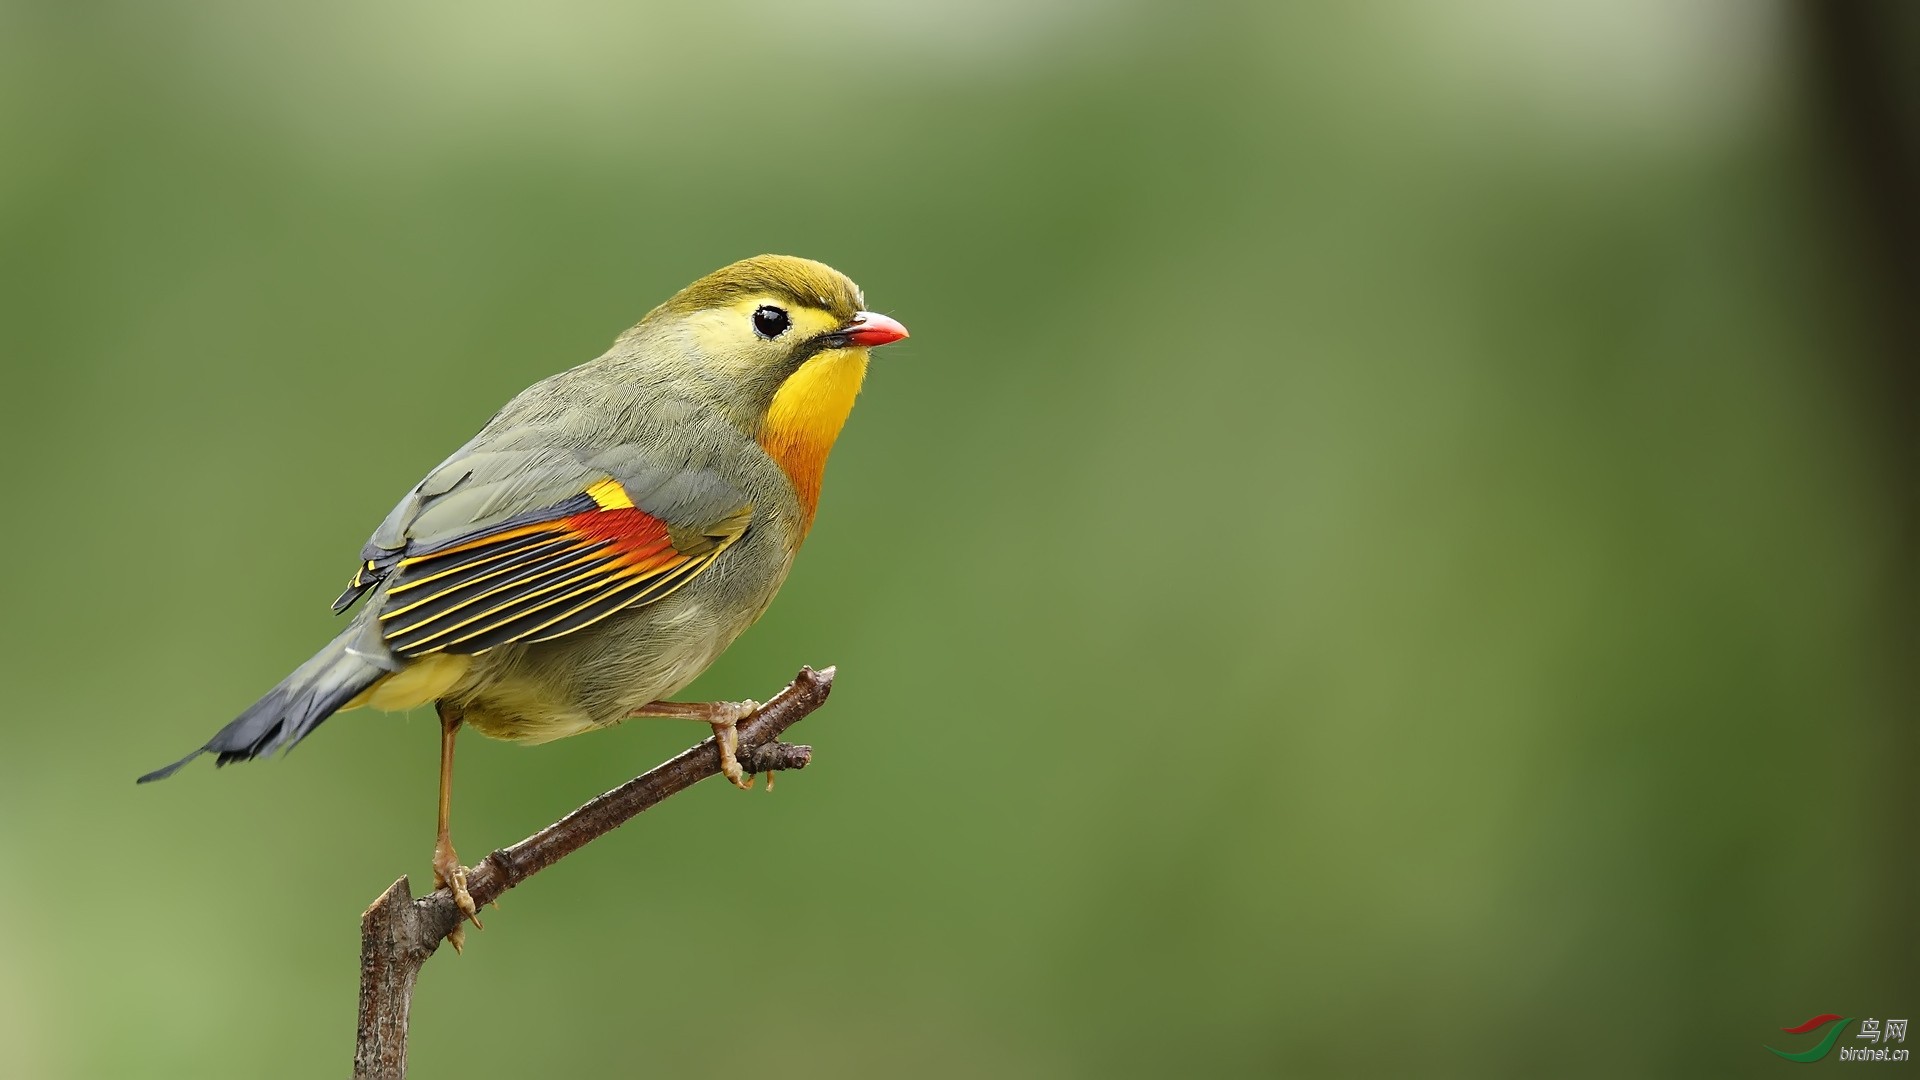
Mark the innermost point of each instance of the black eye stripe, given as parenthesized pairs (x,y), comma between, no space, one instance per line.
(770,321)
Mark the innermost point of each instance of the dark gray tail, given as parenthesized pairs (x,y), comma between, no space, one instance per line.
(291,710)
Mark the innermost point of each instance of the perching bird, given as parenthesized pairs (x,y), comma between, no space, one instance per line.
(606,535)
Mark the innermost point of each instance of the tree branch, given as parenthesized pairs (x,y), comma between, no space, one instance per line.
(398,933)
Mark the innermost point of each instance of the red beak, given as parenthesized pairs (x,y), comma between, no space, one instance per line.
(871,328)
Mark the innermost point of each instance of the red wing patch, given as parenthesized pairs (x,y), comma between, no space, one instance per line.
(535,581)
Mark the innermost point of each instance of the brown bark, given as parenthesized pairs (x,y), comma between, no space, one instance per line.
(398,933)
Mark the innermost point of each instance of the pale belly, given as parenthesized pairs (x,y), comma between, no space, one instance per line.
(543,692)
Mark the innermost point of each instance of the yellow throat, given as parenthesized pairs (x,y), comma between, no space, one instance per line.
(806,416)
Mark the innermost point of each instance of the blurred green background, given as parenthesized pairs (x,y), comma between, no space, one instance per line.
(1388,552)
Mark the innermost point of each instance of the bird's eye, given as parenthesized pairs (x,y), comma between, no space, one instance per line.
(770,321)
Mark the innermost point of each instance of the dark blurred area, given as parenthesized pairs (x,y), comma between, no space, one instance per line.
(1390,550)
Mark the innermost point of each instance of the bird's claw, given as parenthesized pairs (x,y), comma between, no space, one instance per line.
(726,733)
(463,898)
(450,875)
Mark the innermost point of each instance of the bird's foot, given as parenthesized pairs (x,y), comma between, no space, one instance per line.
(724,717)
(450,875)
(726,732)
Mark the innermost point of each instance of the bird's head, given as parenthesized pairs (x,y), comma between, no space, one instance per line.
(781,342)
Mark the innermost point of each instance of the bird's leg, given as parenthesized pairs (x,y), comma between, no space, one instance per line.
(724,717)
(447,870)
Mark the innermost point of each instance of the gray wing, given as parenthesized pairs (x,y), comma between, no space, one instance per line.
(528,544)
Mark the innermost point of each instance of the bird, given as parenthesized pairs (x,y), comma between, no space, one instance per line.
(603,539)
